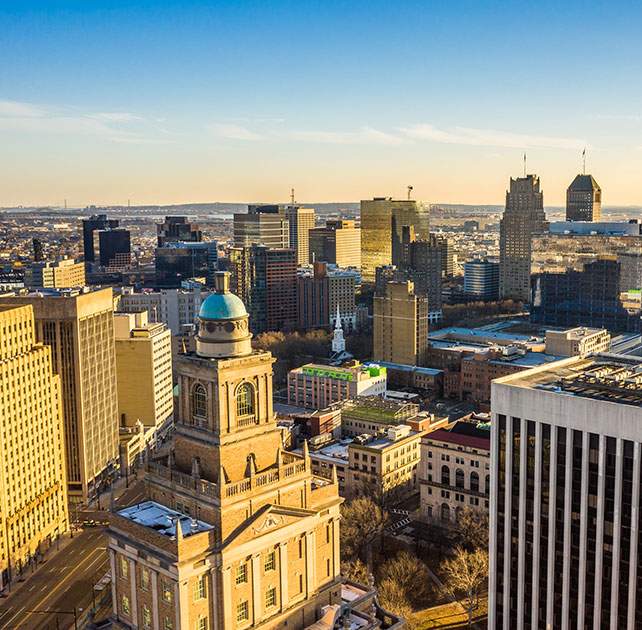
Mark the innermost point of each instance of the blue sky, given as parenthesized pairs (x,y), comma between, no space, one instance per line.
(237,101)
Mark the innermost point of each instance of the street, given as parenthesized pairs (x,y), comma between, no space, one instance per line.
(62,583)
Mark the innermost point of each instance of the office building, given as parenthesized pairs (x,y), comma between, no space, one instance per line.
(318,386)
(301,221)
(262,225)
(144,372)
(234,531)
(584,199)
(38,250)
(178,261)
(523,218)
(454,472)
(79,327)
(447,256)
(323,292)
(177,229)
(591,297)
(114,248)
(382,221)
(94,223)
(61,274)
(400,325)
(565,548)
(176,308)
(337,243)
(372,415)
(425,263)
(481,279)
(33,489)
(577,342)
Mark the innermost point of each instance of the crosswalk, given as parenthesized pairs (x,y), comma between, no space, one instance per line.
(402,522)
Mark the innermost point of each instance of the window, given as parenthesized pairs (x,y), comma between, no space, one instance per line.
(327,567)
(474,482)
(445,475)
(242,612)
(144,579)
(241,574)
(147,617)
(459,478)
(199,403)
(270,562)
(245,400)
(167,624)
(200,587)
(124,567)
(167,591)
(124,604)
(270,597)
(202,623)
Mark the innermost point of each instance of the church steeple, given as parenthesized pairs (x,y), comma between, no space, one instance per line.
(338,341)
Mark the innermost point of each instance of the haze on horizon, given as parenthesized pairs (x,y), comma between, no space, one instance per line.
(190,102)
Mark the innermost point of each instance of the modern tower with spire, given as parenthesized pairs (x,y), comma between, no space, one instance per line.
(584,199)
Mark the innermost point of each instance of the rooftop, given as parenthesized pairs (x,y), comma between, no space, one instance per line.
(163,519)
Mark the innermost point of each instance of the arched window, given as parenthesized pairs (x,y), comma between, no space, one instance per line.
(459,478)
(445,475)
(245,400)
(487,485)
(199,404)
(445,512)
(474,482)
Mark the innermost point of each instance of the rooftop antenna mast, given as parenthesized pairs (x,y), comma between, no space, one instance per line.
(410,189)
(292,195)
(65,204)
(584,161)
(524,164)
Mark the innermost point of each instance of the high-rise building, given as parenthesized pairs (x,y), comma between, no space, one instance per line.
(565,530)
(584,199)
(61,274)
(262,225)
(176,262)
(79,327)
(234,531)
(400,325)
(301,221)
(33,489)
(115,248)
(38,250)
(144,370)
(338,243)
(447,256)
(523,217)
(423,263)
(382,221)
(591,297)
(91,225)
(177,229)
(481,279)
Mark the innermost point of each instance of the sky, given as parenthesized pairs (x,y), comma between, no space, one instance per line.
(181,102)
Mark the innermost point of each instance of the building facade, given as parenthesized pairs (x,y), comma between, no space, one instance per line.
(61,274)
(338,243)
(584,199)
(301,221)
(577,342)
(79,327)
(523,217)
(565,548)
(33,485)
(262,225)
(89,226)
(177,229)
(481,280)
(114,248)
(400,325)
(176,262)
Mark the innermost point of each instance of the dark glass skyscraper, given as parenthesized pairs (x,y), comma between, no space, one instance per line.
(89,226)
(584,199)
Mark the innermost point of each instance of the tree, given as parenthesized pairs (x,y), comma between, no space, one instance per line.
(393,598)
(410,575)
(465,578)
(362,523)
(473,528)
(355,571)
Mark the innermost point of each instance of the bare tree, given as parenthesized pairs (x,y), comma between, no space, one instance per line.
(473,528)
(465,577)
(410,575)
(392,597)
(355,571)
(362,523)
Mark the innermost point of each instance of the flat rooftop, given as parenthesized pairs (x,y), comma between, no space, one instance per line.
(163,519)
(608,377)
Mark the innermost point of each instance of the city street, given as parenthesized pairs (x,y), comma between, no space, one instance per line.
(47,599)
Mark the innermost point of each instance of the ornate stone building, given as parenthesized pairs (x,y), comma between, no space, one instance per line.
(235,532)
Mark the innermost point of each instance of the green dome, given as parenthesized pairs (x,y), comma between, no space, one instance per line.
(222,306)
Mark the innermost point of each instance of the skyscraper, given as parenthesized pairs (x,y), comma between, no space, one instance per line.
(400,325)
(301,221)
(176,262)
(177,229)
(584,199)
(481,279)
(33,490)
(234,531)
(565,527)
(338,243)
(89,226)
(382,221)
(114,247)
(79,327)
(523,217)
(262,225)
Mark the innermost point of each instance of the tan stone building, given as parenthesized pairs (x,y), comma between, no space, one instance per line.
(578,341)
(301,221)
(144,369)
(61,274)
(454,472)
(400,325)
(33,490)
(338,243)
(235,532)
(78,325)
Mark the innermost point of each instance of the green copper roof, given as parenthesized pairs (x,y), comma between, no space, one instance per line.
(222,306)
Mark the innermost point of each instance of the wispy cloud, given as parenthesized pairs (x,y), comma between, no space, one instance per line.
(116,117)
(489,138)
(233,132)
(365,135)
(15,109)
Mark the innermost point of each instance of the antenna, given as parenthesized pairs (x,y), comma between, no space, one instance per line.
(524,164)
(584,161)
(65,204)
(410,189)
(292,195)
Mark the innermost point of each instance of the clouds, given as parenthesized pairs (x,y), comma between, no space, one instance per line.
(233,132)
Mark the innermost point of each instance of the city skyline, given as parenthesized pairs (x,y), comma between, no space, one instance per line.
(197,102)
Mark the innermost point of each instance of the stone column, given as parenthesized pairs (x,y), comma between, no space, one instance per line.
(310,562)
(336,553)
(227,598)
(132,581)
(114,577)
(257,607)
(155,615)
(214,599)
(284,568)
